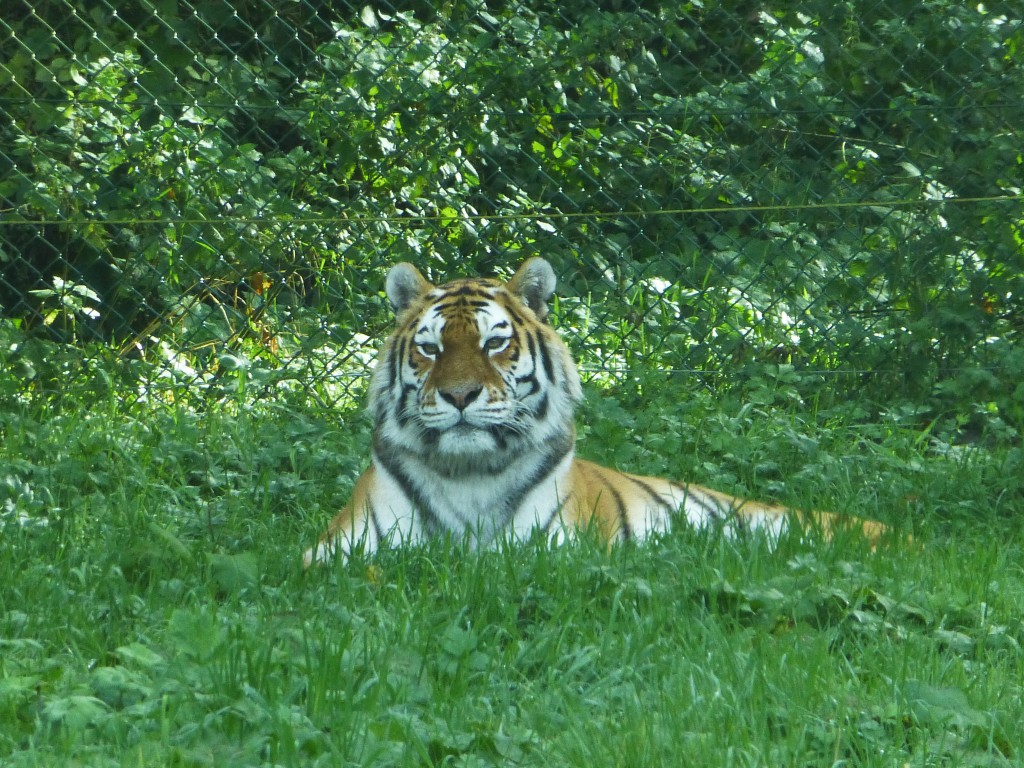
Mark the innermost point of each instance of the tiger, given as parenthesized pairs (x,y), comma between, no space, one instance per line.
(473,399)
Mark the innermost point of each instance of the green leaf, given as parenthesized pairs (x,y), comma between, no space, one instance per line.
(231,362)
(935,705)
(234,573)
(17,687)
(141,655)
(74,712)
(196,633)
(172,542)
(957,642)
(459,642)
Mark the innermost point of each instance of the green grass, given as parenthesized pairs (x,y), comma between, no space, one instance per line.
(154,613)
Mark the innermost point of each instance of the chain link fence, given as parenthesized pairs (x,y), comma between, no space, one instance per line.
(201,199)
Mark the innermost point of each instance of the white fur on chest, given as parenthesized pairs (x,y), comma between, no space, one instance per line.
(484,507)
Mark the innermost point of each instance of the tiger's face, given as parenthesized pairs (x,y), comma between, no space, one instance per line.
(473,372)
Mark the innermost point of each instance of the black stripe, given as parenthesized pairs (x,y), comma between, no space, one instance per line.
(542,409)
(401,407)
(395,367)
(498,433)
(446,305)
(469,290)
(655,496)
(532,375)
(557,450)
(627,532)
(447,309)
(376,523)
(714,511)
(545,359)
(430,519)
(531,344)
(517,319)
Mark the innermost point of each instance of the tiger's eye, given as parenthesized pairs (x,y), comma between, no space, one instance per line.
(429,350)
(496,343)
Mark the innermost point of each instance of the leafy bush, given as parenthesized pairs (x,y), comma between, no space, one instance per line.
(833,187)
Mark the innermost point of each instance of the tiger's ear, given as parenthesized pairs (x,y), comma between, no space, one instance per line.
(534,283)
(404,285)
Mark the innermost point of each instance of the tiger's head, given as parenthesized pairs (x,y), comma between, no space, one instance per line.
(473,374)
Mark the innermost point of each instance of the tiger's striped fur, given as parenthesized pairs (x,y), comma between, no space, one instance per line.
(473,397)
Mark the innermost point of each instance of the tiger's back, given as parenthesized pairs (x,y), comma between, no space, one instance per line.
(628,506)
(473,398)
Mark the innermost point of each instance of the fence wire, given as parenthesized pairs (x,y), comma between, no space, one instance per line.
(201,199)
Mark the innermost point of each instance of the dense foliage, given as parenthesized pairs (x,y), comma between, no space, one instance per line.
(217,189)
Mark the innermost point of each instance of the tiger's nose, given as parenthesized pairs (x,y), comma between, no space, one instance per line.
(461,396)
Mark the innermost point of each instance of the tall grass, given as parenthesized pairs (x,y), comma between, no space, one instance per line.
(154,613)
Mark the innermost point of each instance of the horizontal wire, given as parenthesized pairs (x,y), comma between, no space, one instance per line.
(588,370)
(447,217)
